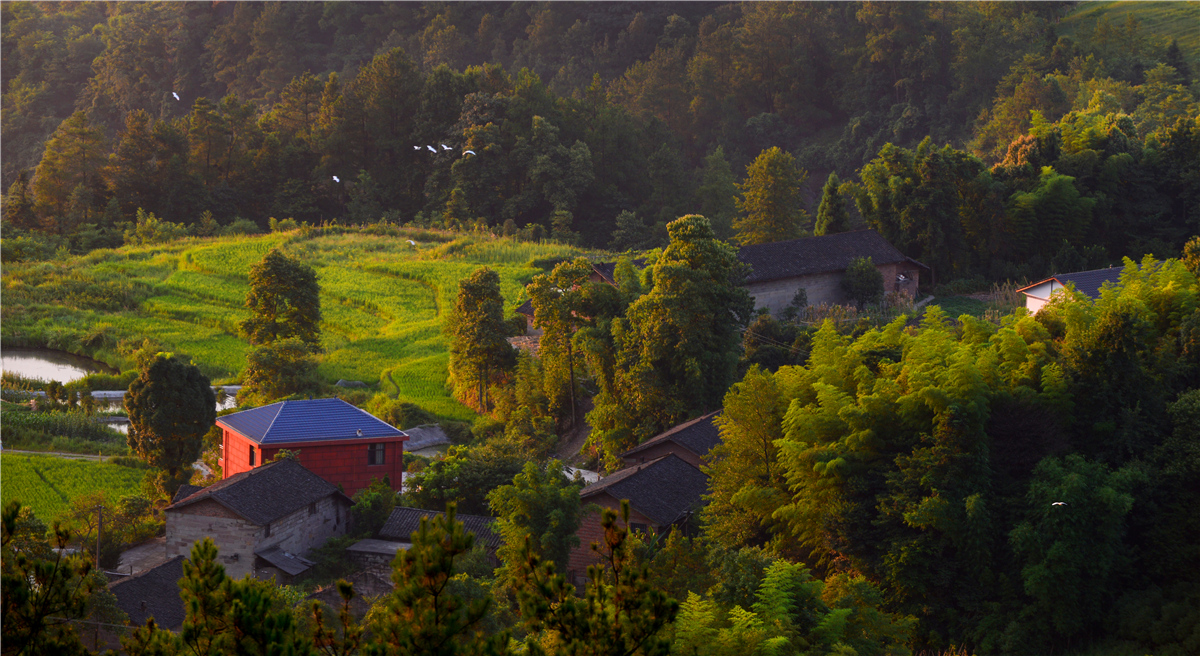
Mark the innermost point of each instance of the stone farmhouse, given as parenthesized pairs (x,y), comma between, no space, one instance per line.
(1086,282)
(335,440)
(397,531)
(261,520)
(818,264)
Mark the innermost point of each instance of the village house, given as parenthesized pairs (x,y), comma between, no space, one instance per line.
(1085,282)
(691,441)
(153,593)
(335,440)
(662,493)
(262,520)
(396,535)
(818,264)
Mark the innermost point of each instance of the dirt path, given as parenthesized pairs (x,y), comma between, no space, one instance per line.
(570,444)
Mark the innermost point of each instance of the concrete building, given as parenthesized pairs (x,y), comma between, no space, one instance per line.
(1085,282)
(818,265)
(335,440)
(262,520)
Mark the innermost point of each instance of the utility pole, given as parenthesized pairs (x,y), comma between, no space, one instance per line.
(99,530)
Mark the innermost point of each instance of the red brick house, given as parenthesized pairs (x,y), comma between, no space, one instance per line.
(690,440)
(337,441)
(663,492)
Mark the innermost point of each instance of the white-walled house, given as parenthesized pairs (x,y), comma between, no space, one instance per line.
(1085,282)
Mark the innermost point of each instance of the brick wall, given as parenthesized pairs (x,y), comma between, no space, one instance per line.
(590,530)
(303,530)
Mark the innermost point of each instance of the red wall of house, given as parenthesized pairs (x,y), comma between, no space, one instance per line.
(590,530)
(342,463)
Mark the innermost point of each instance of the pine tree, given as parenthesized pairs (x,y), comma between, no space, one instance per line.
(717,194)
(422,617)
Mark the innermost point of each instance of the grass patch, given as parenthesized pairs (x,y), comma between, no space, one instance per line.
(1172,20)
(47,484)
(956,306)
(382,301)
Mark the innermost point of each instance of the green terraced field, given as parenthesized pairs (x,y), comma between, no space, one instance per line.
(46,484)
(1170,20)
(382,301)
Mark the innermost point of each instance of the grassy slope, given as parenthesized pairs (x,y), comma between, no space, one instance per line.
(382,302)
(64,479)
(1178,20)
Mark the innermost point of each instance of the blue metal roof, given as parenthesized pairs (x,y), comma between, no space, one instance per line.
(314,420)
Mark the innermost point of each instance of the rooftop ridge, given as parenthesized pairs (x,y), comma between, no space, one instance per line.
(274,419)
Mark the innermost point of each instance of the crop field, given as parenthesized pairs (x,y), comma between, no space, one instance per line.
(382,301)
(46,484)
(1178,20)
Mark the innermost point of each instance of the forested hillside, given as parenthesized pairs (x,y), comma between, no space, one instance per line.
(588,118)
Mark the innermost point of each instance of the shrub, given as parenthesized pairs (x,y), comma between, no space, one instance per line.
(863,282)
(241,226)
(152,230)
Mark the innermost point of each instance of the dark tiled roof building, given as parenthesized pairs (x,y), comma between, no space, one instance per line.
(261,520)
(817,265)
(1085,282)
(153,593)
(690,440)
(403,522)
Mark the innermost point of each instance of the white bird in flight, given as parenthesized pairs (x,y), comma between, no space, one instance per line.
(1059,503)
(416,148)
(468,152)
(431,149)
(175,94)
(412,243)
(445,147)
(335,179)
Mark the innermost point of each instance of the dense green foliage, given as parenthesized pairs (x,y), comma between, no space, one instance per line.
(171,406)
(284,302)
(48,484)
(999,483)
(480,355)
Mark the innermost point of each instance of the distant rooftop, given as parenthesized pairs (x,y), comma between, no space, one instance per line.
(1086,282)
(802,257)
(266,493)
(698,436)
(313,420)
(663,489)
(403,522)
(153,593)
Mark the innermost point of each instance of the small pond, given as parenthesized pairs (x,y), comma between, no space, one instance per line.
(48,364)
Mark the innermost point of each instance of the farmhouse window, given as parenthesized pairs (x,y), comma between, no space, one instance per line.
(375,454)
(251,456)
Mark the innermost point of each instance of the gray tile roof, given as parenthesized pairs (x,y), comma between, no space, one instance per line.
(266,493)
(698,436)
(186,490)
(153,593)
(802,257)
(608,270)
(663,489)
(307,421)
(403,522)
(287,562)
(1087,282)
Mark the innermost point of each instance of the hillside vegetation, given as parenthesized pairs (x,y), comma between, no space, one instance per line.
(381,298)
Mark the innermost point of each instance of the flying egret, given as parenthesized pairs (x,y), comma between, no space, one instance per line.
(445,147)
(468,152)
(412,243)
(416,148)
(431,149)
(1059,503)
(175,94)
(335,179)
